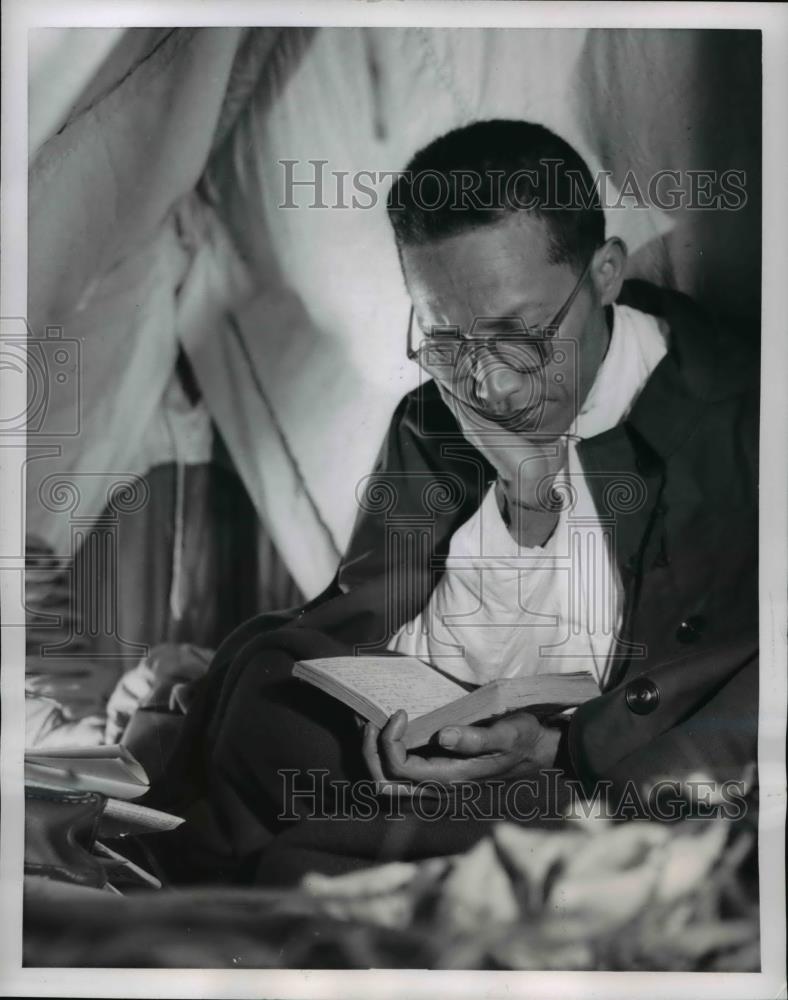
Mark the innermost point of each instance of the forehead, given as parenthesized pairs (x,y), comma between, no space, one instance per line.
(489,270)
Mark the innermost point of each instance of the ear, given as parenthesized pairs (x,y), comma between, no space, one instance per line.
(607,269)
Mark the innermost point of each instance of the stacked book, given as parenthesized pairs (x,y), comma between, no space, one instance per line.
(81,820)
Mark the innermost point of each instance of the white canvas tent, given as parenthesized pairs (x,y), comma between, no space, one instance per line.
(155,186)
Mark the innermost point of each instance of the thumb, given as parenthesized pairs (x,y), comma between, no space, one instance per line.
(474,740)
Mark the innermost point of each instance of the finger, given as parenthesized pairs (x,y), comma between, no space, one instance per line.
(398,765)
(372,758)
(392,750)
(502,737)
(400,769)
(370,751)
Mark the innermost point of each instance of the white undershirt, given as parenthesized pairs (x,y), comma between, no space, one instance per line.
(502,609)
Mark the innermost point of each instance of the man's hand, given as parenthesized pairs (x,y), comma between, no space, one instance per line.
(526,466)
(512,747)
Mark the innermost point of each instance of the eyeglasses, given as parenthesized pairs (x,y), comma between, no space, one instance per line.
(444,354)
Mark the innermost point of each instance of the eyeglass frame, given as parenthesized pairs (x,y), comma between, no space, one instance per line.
(549,330)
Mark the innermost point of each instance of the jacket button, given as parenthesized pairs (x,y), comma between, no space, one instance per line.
(690,629)
(642,696)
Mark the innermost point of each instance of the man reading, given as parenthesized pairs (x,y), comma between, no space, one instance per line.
(573,486)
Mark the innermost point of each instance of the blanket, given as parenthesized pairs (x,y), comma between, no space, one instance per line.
(632,896)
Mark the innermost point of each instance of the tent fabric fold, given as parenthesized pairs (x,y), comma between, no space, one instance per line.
(156,220)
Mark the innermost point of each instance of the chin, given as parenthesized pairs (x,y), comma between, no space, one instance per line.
(550,419)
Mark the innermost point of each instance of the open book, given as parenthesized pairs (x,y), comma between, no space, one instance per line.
(376,686)
(112,770)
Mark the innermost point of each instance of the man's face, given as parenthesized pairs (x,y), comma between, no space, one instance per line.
(479,281)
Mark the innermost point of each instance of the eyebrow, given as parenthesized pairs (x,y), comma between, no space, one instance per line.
(504,319)
(529,304)
(520,308)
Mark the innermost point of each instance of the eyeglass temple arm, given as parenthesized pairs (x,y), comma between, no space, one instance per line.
(562,312)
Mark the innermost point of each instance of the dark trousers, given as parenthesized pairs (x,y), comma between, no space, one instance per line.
(285,790)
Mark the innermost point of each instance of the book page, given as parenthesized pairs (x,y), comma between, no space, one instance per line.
(391,682)
(121,818)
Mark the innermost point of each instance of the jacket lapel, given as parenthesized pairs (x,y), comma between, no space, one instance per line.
(703,364)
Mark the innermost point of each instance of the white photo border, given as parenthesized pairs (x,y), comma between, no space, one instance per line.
(772,19)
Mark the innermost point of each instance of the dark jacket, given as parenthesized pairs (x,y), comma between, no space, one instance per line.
(678,479)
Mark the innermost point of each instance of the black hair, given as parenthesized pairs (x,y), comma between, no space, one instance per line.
(477,175)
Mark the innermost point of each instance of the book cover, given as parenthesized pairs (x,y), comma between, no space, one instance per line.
(377,686)
(112,770)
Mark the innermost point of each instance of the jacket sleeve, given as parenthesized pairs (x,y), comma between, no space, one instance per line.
(705,720)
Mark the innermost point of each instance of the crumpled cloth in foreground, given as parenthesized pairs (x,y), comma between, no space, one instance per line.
(626,896)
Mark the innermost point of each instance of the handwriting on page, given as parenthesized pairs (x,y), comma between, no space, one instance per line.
(394,682)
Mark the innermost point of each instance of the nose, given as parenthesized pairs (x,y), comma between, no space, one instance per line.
(496,385)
